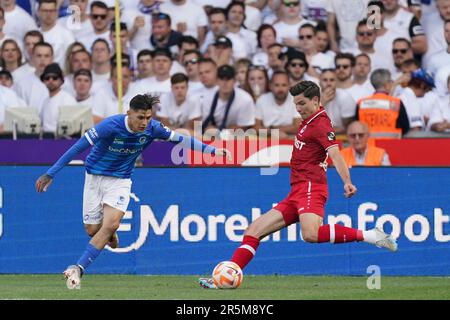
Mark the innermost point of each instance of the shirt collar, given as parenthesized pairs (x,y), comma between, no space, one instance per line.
(315,115)
(126,125)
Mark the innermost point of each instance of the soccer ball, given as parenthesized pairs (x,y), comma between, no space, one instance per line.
(227,275)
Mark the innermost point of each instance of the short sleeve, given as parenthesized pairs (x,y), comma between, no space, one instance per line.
(325,135)
(100,131)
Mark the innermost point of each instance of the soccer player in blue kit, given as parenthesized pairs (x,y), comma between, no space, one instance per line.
(117,141)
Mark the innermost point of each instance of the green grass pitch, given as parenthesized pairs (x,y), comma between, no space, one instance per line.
(139,287)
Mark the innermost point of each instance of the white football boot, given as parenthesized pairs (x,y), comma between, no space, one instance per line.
(384,240)
(207,283)
(73,277)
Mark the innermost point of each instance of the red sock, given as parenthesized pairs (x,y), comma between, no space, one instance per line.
(245,253)
(337,233)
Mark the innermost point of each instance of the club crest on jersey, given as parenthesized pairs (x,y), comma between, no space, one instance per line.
(142,140)
(331,136)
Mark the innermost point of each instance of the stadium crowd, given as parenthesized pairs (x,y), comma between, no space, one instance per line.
(229,64)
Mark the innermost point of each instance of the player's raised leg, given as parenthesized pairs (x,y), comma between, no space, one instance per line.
(314,232)
(92,229)
(266,224)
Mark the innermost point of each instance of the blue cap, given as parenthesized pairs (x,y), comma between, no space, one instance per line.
(421,74)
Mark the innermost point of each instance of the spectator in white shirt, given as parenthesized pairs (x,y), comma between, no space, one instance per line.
(230,107)
(82,83)
(289,24)
(53,79)
(366,37)
(399,20)
(241,66)
(187,18)
(190,62)
(308,44)
(222,51)
(346,14)
(10,56)
(323,41)
(207,71)
(345,62)
(178,110)
(216,26)
(160,82)
(29,40)
(80,59)
(59,37)
(144,64)
(30,88)
(274,52)
(266,36)
(276,109)
(256,81)
(297,66)
(442,57)
(338,103)
(8,99)
(18,21)
(433,23)
(100,24)
(106,101)
(401,51)
(244,40)
(361,82)
(78,21)
(440,117)
(101,65)
(124,36)
(139,20)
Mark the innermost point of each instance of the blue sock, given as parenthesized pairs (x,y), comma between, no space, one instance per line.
(88,256)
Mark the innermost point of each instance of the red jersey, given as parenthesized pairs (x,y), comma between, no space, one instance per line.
(314,137)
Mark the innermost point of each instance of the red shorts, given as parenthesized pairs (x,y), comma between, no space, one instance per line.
(305,197)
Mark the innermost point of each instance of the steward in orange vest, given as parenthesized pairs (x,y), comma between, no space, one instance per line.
(385,115)
(373,157)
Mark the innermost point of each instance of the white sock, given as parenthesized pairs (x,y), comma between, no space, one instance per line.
(370,236)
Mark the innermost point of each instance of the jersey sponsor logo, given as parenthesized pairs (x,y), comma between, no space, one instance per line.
(118,141)
(298,144)
(125,150)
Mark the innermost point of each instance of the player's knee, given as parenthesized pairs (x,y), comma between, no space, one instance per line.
(253,231)
(309,236)
(111,226)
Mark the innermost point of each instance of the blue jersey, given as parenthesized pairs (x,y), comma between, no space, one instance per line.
(116,147)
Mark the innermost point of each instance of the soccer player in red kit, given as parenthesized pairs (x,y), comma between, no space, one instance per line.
(314,142)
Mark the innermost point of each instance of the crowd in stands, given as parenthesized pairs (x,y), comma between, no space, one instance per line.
(229,64)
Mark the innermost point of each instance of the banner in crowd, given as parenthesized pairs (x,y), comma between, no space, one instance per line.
(186,220)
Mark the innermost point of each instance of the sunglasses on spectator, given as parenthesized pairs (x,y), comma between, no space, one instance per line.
(294,64)
(99,16)
(402,51)
(192,61)
(357,134)
(54,78)
(365,33)
(291,4)
(308,36)
(342,66)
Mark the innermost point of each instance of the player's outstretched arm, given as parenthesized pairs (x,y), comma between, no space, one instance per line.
(342,169)
(44,181)
(196,145)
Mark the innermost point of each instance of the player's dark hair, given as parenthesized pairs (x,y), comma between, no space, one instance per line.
(144,102)
(178,78)
(308,88)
